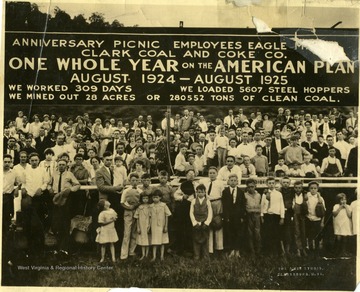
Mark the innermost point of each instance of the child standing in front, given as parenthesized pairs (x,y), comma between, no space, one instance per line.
(314,221)
(341,223)
(143,224)
(106,231)
(272,216)
(300,209)
(252,219)
(201,216)
(159,213)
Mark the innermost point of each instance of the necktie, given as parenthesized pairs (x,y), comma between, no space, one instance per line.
(326,128)
(112,177)
(114,146)
(232,194)
(59,186)
(210,187)
(247,170)
(268,154)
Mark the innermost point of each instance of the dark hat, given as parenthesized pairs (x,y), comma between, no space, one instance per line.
(216,222)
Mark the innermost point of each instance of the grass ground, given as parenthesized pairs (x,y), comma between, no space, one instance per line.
(267,272)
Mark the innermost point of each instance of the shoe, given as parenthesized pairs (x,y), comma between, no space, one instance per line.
(64,252)
(231,254)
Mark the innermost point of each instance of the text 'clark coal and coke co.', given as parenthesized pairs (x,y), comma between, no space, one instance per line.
(172,69)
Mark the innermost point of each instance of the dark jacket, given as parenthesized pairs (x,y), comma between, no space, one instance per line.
(233,212)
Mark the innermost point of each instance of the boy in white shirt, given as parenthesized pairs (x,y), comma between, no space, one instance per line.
(281,167)
(308,168)
(180,160)
(272,216)
(221,144)
(200,161)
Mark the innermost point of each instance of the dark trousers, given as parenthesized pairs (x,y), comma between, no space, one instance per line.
(211,161)
(33,217)
(183,226)
(233,234)
(313,230)
(201,242)
(8,211)
(253,231)
(272,233)
(61,226)
(300,231)
(77,203)
(287,235)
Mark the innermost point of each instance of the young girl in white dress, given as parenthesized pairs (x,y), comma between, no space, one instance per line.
(106,233)
(143,225)
(342,223)
(159,213)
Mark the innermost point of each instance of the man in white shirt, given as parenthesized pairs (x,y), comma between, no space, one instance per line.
(324,128)
(33,203)
(203,124)
(61,147)
(257,140)
(230,168)
(8,194)
(343,146)
(351,121)
(241,115)
(245,148)
(164,122)
(20,168)
(35,126)
(64,183)
(229,119)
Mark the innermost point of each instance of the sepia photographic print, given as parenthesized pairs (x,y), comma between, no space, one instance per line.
(180,145)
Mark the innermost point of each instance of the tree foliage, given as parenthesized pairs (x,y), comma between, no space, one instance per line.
(26,16)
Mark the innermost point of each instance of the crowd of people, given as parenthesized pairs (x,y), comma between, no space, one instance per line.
(50,161)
